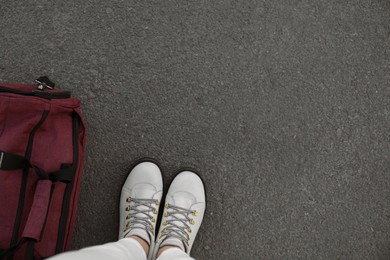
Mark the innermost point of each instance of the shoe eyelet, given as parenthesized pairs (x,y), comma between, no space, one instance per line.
(128,199)
(155,211)
(189,230)
(128,216)
(157,202)
(195,213)
(192,221)
(166,214)
(128,208)
(165,223)
(166,205)
(153,220)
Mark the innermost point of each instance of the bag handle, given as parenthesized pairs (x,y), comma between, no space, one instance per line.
(36,217)
(42,196)
(39,209)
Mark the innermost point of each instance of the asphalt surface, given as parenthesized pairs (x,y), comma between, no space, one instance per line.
(282,106)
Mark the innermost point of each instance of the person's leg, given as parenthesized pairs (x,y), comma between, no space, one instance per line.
(174,253)
(184,209)
(138,211)
(124,249)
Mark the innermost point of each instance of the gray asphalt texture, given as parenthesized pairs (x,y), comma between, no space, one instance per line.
(282,106)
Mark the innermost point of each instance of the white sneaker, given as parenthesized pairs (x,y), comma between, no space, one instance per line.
(184,209)
(139,203)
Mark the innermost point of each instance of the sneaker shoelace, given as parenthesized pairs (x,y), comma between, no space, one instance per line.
(139,214)
(178,225)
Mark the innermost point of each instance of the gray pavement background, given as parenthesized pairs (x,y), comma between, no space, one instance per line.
(283,106)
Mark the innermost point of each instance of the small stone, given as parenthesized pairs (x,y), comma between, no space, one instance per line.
(339,132)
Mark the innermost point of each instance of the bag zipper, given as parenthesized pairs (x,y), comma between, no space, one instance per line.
(42,84)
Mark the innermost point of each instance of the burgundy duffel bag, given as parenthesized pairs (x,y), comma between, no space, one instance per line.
(42,140)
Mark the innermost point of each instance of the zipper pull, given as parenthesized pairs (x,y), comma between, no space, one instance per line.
(44,82)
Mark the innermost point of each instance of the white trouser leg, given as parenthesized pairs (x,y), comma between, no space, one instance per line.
(124,249)
(174,254)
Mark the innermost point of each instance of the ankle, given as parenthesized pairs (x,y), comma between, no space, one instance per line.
(163,248)
(142,242)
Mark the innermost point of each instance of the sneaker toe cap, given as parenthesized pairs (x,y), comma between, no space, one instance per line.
(189,182)
(142,175)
